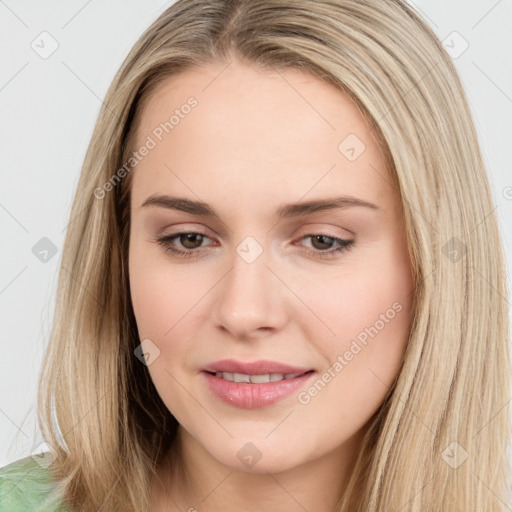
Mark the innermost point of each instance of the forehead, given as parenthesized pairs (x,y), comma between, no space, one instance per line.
(263,132)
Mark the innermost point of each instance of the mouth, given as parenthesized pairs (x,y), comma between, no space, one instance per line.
(254,390)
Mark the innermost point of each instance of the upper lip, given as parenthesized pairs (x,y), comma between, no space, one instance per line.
(261,367)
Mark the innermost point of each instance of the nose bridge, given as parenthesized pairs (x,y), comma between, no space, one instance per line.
(247,299)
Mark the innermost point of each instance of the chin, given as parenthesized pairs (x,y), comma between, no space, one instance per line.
(253,457)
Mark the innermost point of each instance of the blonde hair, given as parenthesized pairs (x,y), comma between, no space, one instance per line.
(98,407)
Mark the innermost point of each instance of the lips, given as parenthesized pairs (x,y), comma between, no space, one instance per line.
(251,385)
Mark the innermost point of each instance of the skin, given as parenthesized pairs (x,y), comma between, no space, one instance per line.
(255,141)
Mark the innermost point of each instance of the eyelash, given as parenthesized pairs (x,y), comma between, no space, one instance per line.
(344,245)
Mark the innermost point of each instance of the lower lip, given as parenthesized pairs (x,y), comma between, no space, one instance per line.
(252,396)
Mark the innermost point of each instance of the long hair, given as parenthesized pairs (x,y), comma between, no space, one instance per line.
(439,441)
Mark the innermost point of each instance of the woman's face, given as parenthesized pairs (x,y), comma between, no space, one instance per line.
(293,261)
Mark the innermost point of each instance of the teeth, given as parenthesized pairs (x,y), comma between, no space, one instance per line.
(241,377)
(256,379)
(260,378)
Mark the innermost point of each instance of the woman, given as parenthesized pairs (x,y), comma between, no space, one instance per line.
(281,278)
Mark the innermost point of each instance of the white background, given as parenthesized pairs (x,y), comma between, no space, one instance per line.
(47,111)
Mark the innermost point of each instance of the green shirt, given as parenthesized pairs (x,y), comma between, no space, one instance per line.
(26,486)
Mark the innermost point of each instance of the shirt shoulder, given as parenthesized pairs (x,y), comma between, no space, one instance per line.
(26,485)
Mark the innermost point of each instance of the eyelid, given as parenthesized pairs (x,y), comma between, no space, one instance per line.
(182,229)
(312,229)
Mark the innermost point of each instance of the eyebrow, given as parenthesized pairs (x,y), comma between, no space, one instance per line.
(286,211)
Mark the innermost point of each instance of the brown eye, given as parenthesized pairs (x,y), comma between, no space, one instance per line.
(325,246)
(185,244)
(190,240)
(322,241)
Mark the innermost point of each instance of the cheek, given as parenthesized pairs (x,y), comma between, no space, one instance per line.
(161,297)
(362,360)
(361,297)
(163,303)
(367,307)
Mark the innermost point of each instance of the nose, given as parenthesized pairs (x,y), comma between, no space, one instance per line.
(250,299)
